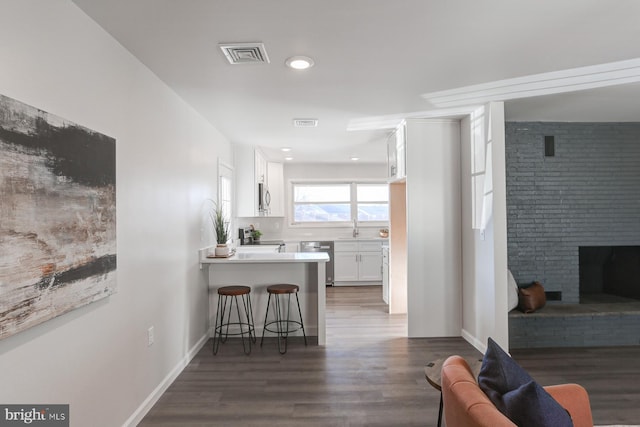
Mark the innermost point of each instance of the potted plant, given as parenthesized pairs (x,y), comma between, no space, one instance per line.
(221,228)
(256,235)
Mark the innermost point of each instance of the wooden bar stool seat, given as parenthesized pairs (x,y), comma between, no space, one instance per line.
(283,325)
(234,290)
(283,289)
(227,295)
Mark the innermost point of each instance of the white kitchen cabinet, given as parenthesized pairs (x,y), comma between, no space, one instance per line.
(275,186)
(252,169)
(357,262)
(385,274)
(396,154)
(370,266)
(345,266)
(260,165)
(392,157)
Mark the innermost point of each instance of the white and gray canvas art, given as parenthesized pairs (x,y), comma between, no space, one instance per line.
(57,216)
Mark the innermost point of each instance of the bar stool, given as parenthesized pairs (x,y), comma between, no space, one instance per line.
(282,324)
(226,297)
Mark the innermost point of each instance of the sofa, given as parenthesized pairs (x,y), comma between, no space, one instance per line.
(466,405)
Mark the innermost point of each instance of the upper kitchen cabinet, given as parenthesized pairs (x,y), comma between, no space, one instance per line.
(259,183)
(260,167)
(275,186)
(396,153)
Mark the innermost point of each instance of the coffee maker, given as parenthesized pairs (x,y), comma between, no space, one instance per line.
(245,236)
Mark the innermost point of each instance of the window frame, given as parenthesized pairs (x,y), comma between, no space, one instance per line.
(353,203)
(226,196)
(356,202)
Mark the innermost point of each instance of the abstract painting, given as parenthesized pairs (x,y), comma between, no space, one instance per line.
(57,216)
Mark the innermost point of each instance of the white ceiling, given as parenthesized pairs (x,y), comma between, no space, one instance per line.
(373,59)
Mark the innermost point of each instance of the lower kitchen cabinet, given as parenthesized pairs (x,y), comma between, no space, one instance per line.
(345,266)
(370,266)
(358,262)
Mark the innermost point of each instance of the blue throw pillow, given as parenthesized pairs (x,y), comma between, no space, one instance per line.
(516,394)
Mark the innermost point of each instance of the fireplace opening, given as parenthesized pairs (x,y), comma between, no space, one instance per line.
(609,274)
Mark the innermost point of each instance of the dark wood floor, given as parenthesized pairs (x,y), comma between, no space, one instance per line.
(368,374)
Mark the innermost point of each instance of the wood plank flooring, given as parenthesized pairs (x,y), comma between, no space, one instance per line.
(369,374)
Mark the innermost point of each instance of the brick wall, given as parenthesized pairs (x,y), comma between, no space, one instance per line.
(588,194)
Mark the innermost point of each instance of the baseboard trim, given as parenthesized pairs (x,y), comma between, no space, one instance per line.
(471,339)
(151,400)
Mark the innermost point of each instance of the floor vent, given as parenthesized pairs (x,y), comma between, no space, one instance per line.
(245,53)
(553,295)
(305,123)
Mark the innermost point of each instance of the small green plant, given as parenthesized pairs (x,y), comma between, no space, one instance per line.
(256,234)
(220,224)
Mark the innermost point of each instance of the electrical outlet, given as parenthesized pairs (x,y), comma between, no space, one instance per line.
(150,336)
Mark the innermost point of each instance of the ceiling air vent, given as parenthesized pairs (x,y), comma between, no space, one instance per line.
(245,53)
(305,123)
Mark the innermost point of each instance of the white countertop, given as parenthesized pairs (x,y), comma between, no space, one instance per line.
(268,258)
(336,239)
(362,238)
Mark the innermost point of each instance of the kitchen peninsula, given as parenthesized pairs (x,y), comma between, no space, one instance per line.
(261,269)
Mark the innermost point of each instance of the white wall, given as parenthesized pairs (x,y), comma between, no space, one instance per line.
(434,266)
(499,230)
(280,228)
(96,358)
(484,254)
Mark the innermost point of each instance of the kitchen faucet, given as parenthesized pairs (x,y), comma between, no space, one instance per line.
(355,228)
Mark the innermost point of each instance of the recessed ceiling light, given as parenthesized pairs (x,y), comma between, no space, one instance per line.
(285,149)
(299,62)
(288,158)
(355,159)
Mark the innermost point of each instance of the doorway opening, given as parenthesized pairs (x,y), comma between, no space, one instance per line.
(357,315)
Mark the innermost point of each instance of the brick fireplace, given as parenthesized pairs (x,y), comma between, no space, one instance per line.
(586,194)
(573,187)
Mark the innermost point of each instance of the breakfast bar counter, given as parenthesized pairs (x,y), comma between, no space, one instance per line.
(268,258)
(258,270)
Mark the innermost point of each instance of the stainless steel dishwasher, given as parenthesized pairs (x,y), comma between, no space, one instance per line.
(317,246)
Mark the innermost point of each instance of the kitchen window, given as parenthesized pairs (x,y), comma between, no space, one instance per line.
(225,193)
(372,202)
(335,203)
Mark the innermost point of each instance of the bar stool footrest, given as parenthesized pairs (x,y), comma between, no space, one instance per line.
(283,326)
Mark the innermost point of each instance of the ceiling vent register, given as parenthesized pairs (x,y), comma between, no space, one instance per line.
(305,123)
(245,53)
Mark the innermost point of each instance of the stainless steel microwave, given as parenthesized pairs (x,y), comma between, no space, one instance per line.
(264,199)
